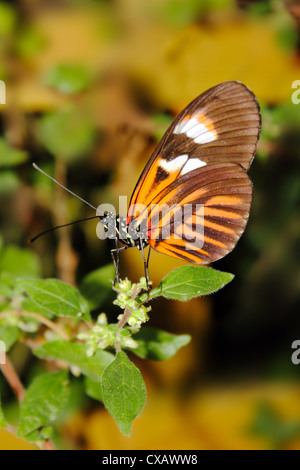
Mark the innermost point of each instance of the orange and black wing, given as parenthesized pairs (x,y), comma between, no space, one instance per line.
(220,125)
(201,164)
(201,217)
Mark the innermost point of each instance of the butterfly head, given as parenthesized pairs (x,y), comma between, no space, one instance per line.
(131,235)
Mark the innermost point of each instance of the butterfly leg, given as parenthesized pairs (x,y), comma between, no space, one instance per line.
(146,264)
(115,254)
(116,264)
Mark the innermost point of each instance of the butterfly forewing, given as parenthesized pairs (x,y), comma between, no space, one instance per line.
(198,175)
(222,124)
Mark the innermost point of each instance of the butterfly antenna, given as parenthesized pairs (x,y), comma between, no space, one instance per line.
(60,226)
(62,186)
(73,194)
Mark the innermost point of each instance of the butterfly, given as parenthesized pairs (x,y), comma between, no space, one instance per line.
(193,198)
(201,162)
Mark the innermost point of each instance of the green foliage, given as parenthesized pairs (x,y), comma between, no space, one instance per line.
(104,335)
(68,134)
(15,262)
(187,282)
(268,424)
(76,355)
(128,297)
(110,378)
(260,8)
(44,400)
(124,391)
(161,122)
(9,182)
(93,389)
(29,305)
(9,335)
(68,78)
(29,42)
(96,286)
(2,420)
(10,156)
(287,36)
(180,13)
(57,297)
(7,19)
(158,345)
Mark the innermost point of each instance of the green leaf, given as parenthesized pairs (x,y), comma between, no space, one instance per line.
(7,19)
(161,122)
(267,424)
(124,391)
(47,432)
(10,156)
(158,345)
(57,297)
(7,284)
(93,389)
(68,78)
(180,13)
(68,133)
(9,335)
(187,282)
(75,355)
(44,400)
(2,420)
(30,306)
(35,437)
(96,286)
(29,41)
(287,35)
(19,262)
(9,182)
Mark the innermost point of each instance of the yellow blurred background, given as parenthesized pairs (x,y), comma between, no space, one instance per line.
(139,63)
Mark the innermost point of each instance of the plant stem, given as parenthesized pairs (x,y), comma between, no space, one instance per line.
(124,318)
(12,378)
(50,324)
(45,321)
(48,445)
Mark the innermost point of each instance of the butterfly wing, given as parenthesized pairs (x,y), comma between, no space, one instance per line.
(220,125)
(201,164)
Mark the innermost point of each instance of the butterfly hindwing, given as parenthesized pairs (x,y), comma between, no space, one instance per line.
(206,214)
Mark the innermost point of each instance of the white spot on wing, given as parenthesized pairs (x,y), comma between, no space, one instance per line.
(190,126)
(175,164)
(205,138)
(191,165)
(178,128)
(195,130)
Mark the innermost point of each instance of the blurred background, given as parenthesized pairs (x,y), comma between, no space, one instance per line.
(91,86)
